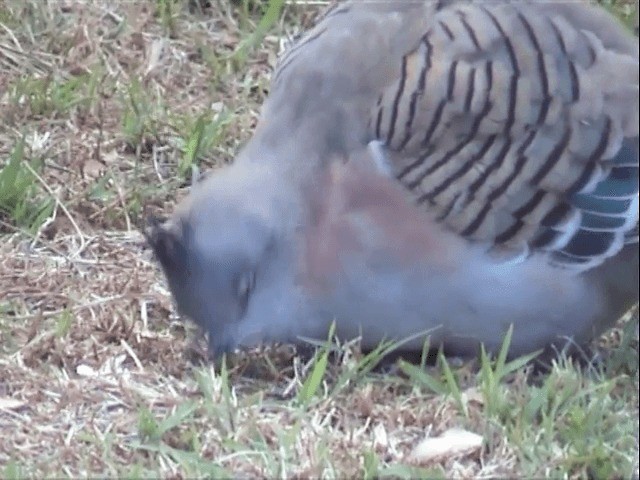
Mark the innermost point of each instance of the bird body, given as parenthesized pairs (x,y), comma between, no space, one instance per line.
(404,275)
(447,168)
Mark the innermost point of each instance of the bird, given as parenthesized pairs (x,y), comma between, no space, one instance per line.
(439,171)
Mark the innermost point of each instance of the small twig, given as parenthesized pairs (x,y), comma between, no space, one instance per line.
(123,204)
(97,151)
(83,243)
(156,167)
(132,354)
(144,314)
(42,228)
(13,37)
(44,242)
(75,309)
(112,15)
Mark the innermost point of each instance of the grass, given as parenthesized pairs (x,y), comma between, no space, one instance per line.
(106,111)
(20,198)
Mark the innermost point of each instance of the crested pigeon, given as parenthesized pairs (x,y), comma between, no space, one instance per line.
(442,169)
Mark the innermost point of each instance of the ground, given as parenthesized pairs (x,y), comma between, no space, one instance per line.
(105,108)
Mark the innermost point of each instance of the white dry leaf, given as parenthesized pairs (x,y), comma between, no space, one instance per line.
(452,443)
(7,403)
(154,55)
(110,157)
(38,142)
(380,437)
(473,395)
(114,366)
(217,107)
(86,371)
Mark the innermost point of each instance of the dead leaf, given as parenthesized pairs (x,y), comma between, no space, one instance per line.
(7,403)
(93,169)
(453,442)
(154,55)
(380,437)
(473,395)
(86,371)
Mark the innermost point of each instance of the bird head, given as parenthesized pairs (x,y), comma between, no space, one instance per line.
(223,253)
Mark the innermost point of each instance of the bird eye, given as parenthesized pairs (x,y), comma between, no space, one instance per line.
(245,286)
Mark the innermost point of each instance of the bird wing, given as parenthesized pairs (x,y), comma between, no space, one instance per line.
(514,123)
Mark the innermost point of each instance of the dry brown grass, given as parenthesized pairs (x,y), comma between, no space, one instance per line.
(99,378)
